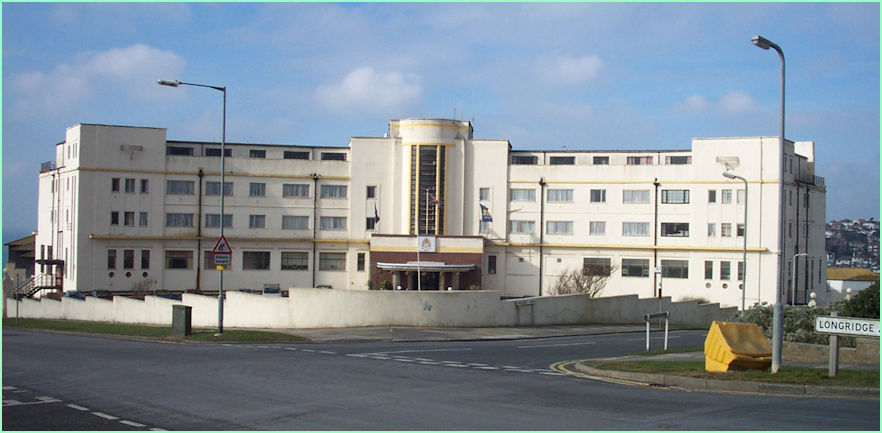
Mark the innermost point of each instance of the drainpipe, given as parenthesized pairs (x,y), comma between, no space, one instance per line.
(655,239)
(199,233)
(541,229)
(315,178)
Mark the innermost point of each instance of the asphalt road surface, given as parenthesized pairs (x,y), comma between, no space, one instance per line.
(459,385)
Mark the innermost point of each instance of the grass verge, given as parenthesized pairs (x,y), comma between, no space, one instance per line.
(787,374)
(160,332)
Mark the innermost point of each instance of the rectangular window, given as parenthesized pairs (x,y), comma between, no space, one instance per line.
(179,220)
(524,160)
(333,191)
(675,268)
(178,259)
(677,230)
(333,156)
(635,196)
(559,227)
(522,227)
(257,189)
(370,223)
(114,185)
(562,160)
(598,196)
(130,185)
(256,221)
(295,190)
(212,220)
(639,160)
(596,266)
(484,227)
(484,194)
(257,153)
(739,230)
(675,196)
(111,259)
(332,261)
(601,160)
(179,187)
(215,151)
(708,269)
(711,196)
(725,270)
(635,267)
(213,188)
(129,219)
(370,192)
(740,271)
(519,194)
(295,222)
(256,260)
(332,223)
(128,259)
(359,262)
(711,230)
(597,228)
(635,229)
(291,154)
(726,196)
(560,195)
(145,186)
(739,196)
(295,261)
(491,265)
(179,151)
(726,230)
(145,259)
(114,218)
(142,219)
(678,160)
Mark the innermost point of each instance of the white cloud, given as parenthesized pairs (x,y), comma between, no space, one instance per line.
(572,70)
(366,89)
(734,102)
(695,103)
(132,70)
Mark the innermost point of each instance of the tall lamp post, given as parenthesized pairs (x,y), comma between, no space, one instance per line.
(728,175)
(778,312)
(222,89)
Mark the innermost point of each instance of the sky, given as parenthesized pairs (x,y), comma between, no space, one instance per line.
(544,76)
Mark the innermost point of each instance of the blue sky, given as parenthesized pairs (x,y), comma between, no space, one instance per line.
(544,76)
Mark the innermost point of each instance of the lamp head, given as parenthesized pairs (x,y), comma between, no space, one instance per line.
(728,175)
(761,42)
(170,83)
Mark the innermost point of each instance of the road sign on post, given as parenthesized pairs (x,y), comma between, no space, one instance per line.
(222,252)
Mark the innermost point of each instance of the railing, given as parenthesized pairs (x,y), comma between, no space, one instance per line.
(47,166)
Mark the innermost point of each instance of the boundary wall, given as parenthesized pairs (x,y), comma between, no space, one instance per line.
(323,308)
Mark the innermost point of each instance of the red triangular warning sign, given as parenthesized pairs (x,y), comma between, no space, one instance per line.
(222,246)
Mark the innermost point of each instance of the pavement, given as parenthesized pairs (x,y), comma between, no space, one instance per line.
(582,367)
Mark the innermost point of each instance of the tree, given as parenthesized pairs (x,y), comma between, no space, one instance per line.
(589,280)
(864,304)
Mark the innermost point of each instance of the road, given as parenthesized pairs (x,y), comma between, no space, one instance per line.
(459,385)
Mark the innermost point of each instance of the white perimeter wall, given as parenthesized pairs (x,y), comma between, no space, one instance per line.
(323,308)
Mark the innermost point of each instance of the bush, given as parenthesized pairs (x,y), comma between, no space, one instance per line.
(799,322)
(864,304)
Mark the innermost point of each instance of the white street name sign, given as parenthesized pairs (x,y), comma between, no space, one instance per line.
(847,326)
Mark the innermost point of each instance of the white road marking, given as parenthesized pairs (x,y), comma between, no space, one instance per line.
(556,345)
(104,415)
(551,373)
(132,423)
(9,388)
(46,399)
(308,350)
(356,355)
(431,350)
(477,364)
(403,360)
(327,352)
(456,365)
(11,403)
(429,363)
(488,368)
(157,429)
(290,348)
(653,338)
(77,407)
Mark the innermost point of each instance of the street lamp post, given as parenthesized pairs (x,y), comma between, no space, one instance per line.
(222,89)
(728,175)
(778,312)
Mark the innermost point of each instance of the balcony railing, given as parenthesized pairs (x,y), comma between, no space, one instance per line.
(47,166)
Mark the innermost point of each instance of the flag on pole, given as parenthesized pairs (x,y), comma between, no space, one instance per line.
(376,214)
(485,214)
(433,200)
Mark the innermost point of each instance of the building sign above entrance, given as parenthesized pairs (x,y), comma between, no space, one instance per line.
(426,244)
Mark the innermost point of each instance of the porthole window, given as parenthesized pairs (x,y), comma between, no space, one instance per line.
(111,274)
(128,275)
(144,275)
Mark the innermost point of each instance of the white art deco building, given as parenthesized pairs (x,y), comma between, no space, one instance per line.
(125,209)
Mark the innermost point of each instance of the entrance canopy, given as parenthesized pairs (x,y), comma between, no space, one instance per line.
(424,267)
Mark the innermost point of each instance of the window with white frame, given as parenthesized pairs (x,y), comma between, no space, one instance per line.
(675,268)
(739,196)
(678,160)
(256,260)
(213,220)
(333,191)
(639,160)
(677,230)
(711,230)
(332,223)
(295,190)
(178,259)
(600,266)
(179,187)
(256,221)
(726,196)
(598,196)
(484,194)
(257,189)
(675,196)
(597,228)
(173,219)
(559,227)
(295,261)
(522,227)
(560,195)
(708,269)
(522,194)
(484,227)
(635,267)
(739,230)
(332,261)
(635,229)
(142,219)
(635,196)
(295,222)
(725,270)
(214,188)
(711,196)
(726,230)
